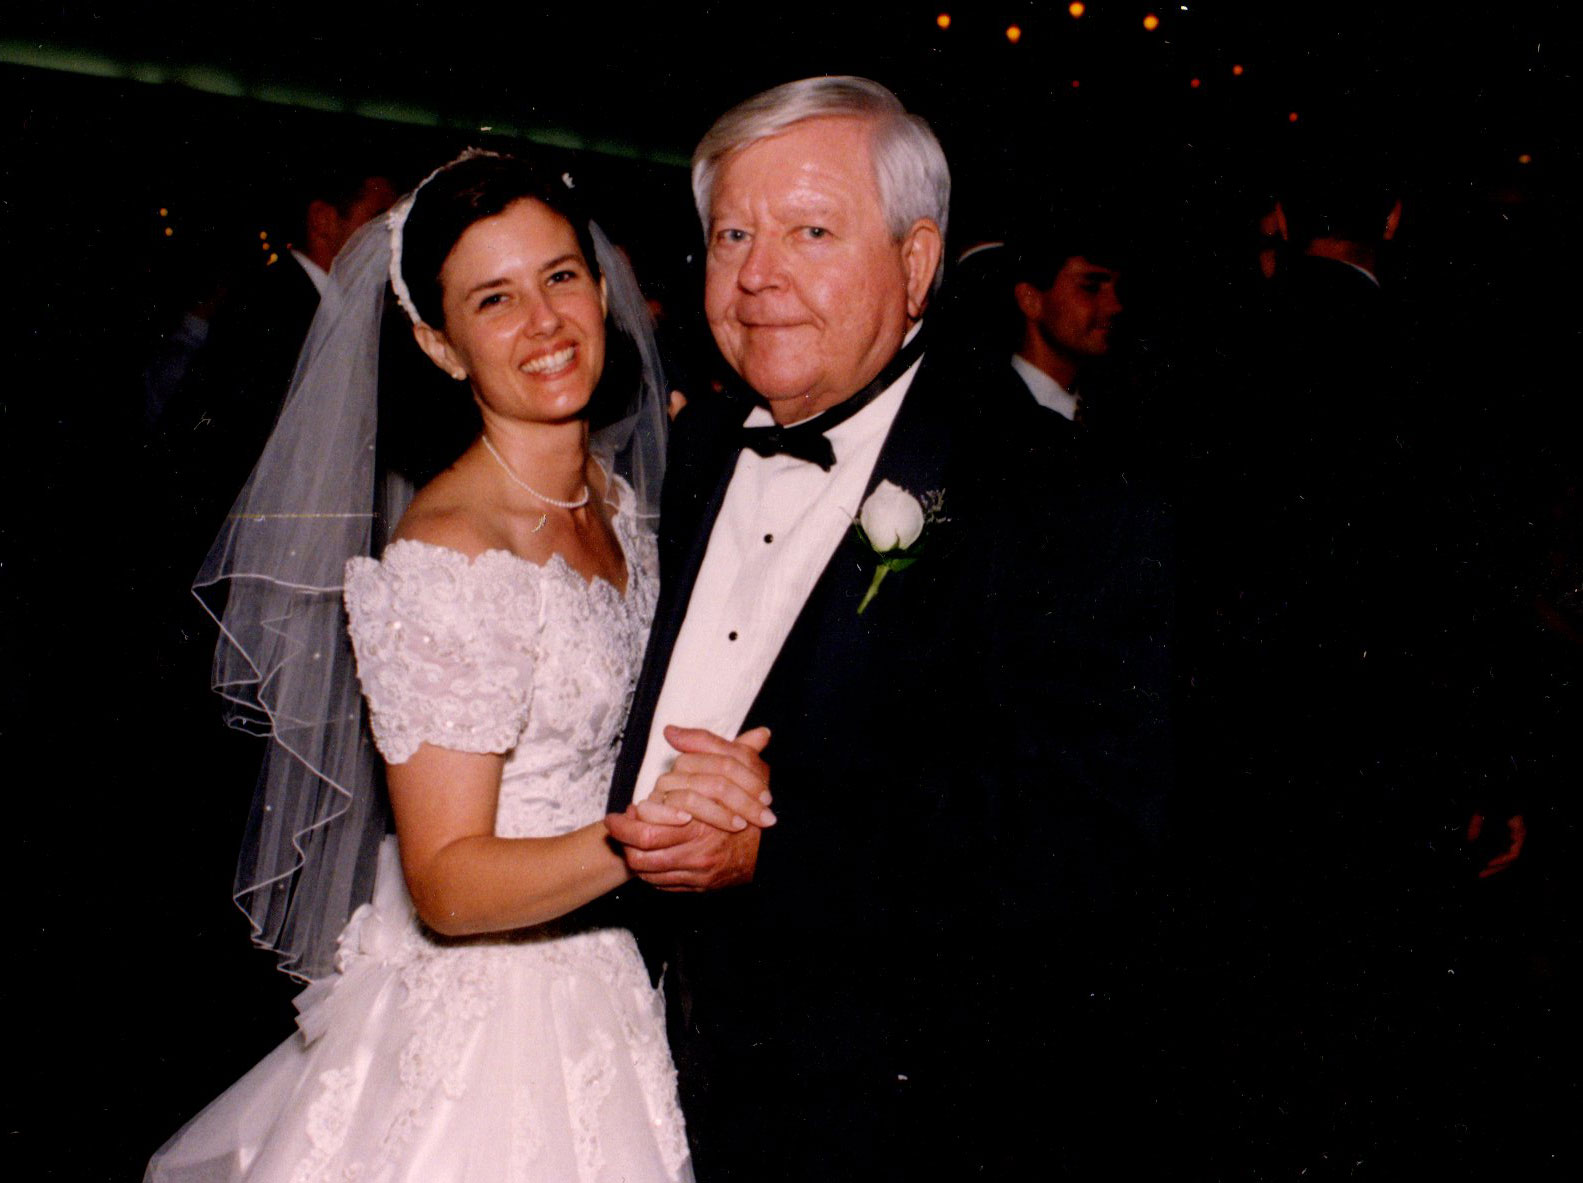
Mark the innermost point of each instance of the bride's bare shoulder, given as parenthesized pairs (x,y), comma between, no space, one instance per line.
(448,512)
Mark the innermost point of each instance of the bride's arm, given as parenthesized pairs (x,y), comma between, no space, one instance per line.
(462,878)
(465,880)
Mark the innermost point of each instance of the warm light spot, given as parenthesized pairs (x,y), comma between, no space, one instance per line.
(1195,83)
(168,232)
(1237,70)
(263,246)
(943,20)
(1076,9)
(1014,33)
(1151,22)
(263,234)
(1291,117)
(163,212)
(1076,82)
(1525,159)
(273,259)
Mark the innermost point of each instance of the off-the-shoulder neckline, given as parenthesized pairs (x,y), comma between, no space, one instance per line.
(623,518)
(556,561)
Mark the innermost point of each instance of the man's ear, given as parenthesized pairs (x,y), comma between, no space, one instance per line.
(1393,221)
(921,251)
(1280,222)
(1030,301)
(434,343)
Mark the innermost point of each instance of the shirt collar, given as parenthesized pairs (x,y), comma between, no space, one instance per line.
(1364,271)
(1047,392)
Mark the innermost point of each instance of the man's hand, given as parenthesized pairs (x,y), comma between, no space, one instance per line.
(722,787)
(694,857)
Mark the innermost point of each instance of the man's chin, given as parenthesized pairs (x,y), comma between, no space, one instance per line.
(776,385)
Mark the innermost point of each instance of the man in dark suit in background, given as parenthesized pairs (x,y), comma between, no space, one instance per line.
(968,749)
(1308,530)
(1070,304)
(218,421)
(257,336)
(1321,760)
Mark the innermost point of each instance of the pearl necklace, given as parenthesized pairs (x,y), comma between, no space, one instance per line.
(574,503)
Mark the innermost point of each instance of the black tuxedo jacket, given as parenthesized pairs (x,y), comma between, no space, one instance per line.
(963,776)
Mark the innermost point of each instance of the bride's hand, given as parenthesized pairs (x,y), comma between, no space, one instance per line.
(719,782)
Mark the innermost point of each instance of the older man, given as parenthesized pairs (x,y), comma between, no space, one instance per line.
(960,744)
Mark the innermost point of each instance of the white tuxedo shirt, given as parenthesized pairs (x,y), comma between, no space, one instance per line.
(781,520)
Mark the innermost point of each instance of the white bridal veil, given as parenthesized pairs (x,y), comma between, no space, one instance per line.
(272,581)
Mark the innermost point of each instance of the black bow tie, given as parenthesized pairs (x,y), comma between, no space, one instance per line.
(806,440)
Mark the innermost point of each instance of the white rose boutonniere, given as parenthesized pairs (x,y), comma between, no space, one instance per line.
(892,522)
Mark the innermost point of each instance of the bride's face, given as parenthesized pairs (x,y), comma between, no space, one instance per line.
(524,317)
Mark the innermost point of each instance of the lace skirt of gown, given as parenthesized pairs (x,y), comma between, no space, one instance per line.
(539,1056)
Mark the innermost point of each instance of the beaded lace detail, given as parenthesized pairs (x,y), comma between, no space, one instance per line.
(497,654)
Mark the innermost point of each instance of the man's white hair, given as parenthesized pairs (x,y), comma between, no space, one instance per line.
(909,166)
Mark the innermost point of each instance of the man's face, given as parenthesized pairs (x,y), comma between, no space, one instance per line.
(807,292)
(375,197)
(1078,313)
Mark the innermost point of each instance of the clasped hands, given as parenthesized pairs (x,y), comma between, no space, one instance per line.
(700,828)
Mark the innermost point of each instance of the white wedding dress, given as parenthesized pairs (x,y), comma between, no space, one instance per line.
(535,1055)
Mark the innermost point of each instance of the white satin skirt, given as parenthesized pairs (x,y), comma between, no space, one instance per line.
(539,1056)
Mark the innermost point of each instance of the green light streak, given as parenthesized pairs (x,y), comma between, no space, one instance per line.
(396,113)
(211,80)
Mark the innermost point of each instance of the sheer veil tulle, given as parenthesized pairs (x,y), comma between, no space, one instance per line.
(273,579)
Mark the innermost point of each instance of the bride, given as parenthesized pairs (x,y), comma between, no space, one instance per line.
(480,1017)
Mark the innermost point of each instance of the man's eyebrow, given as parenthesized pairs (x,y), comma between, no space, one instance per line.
(811,205)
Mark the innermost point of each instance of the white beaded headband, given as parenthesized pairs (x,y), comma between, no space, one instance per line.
(396,220)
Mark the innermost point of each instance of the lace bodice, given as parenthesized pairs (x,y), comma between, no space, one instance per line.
(532,1056)
(498,654)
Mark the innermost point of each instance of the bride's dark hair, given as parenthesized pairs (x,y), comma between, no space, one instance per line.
(466,192)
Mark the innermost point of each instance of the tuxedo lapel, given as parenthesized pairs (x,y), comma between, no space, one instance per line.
(695,491)
(914,458)
(829,636)
(918,447)
(828,632)
(687,544)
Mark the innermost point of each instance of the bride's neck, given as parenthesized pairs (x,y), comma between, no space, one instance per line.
(552,457)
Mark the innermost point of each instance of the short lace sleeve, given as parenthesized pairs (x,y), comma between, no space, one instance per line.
(445,647)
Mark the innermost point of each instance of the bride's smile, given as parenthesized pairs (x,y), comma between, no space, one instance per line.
(524,316)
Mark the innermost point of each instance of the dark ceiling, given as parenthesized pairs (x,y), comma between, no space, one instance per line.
(647,82)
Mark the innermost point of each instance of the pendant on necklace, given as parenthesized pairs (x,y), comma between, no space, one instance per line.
(543,517)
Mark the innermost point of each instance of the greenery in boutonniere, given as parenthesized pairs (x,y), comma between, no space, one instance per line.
(891,523)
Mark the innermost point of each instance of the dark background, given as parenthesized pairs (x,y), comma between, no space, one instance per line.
(131,988)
